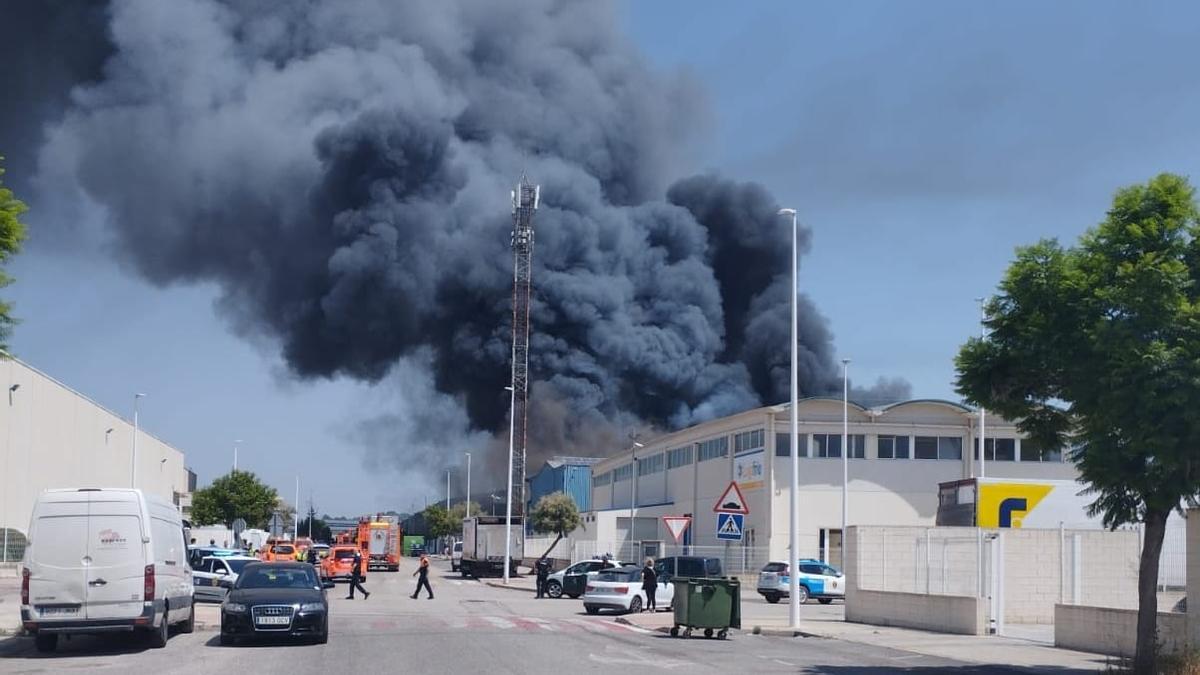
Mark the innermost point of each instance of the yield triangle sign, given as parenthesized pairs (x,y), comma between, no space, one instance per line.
(677,525)
(732,501)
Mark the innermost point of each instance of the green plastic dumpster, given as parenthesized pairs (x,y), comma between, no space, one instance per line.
(713,604)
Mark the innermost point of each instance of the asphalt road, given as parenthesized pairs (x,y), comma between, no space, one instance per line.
(470,627)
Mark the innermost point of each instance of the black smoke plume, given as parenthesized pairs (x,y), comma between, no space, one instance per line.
(341,168)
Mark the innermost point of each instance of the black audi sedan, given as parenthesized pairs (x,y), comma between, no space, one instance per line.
(276,599)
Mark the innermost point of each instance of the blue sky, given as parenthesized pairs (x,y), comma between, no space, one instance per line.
(922,142)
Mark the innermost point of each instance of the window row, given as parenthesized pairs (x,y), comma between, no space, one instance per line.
(679,457)
(623,473)
(652,464)
(602,479)
(748,440)
(713,448)
(915,447)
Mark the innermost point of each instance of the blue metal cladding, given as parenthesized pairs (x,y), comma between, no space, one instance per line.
(577,483)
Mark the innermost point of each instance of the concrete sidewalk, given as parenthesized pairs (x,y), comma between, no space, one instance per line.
(990,650)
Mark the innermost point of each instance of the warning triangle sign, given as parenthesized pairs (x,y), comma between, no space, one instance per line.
(677,525)
(730,529)
(732,501)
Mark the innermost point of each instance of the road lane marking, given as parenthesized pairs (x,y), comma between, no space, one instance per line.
(498,622)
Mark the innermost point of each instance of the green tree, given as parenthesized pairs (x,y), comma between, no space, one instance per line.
(237,494)
(1096,348)
(557,514)
(320,529)
(12,233)
(459,511)
(439,521)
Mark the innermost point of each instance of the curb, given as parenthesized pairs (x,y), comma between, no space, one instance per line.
(500,584)
(660,629)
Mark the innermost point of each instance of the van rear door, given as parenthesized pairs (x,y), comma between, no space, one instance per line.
(115,579)
(58,559)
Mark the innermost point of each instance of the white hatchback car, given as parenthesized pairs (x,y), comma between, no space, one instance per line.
(573,580)
(620,589)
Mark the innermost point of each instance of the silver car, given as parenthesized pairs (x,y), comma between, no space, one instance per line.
(207,577)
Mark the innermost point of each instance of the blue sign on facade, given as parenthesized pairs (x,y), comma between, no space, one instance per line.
(729,526)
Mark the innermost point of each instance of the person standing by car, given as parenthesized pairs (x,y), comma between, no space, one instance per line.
(543,574)
(356,578)
(649,585)
(423,581)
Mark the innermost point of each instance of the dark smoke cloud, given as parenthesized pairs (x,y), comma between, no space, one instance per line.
(340,168)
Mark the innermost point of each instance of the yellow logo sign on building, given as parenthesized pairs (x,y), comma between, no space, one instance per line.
(1006,504)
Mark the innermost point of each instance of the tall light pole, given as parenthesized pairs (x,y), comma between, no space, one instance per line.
(633,496)
(512,404)
(447,491)
(794,503)
(845,456)
(133,459)
(235,453)
(982,421)
(296,519)
(468,485)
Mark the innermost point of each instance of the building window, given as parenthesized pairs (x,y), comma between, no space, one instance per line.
(622,473)
(998,449)
(937,447)
(649,465)
(602,479)
(679,457)
(714,448)
(783,445)
(1032,452)
(893,447)
(830,445)
(747,441)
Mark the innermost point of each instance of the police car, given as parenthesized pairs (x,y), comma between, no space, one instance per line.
(817,580)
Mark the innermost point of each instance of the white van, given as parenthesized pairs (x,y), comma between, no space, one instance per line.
(105,560)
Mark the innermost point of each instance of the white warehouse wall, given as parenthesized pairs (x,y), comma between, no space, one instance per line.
(54,437)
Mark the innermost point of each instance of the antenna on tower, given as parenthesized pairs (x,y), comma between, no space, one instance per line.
(525,200)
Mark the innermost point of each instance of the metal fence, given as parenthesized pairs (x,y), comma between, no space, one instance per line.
(936,561)
(12,545)
(736,560)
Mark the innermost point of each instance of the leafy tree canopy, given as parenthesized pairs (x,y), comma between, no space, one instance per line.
(1096,348)
(237,494)
(556,514)
(12,233)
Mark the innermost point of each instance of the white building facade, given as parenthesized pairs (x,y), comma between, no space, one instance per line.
(55,437)
(898,456)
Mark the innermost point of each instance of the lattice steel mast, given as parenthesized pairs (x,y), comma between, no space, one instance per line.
(524,203)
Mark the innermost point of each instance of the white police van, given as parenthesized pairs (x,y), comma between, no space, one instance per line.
(816,580)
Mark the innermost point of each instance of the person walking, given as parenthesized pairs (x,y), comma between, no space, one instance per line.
(356,578)
(649,585)
(543,574)
(423,581)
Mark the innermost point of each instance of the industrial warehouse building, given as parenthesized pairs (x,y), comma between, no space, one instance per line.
(898,455)
(55,437)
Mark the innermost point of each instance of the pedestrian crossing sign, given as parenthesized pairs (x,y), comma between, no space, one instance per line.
(729,526)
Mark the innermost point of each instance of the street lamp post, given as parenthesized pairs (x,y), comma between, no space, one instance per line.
(133,459)
(794,504)
(512,405)
(982,420)
(633,496)
(468,485)
(235,453)
(845,456)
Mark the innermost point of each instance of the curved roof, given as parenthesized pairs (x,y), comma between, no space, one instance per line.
(833,399)
(935,401)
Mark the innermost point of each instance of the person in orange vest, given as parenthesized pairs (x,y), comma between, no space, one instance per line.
(423,581)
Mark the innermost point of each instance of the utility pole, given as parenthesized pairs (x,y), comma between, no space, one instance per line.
(134,459)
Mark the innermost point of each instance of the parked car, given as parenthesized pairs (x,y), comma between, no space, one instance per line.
(816,580)
(689,566)
(199,553)
(416,550)
(620,589)
(276,599)
(279,552)
(105,560)
(322,550)
(340,563)
(207,575)
(455,556)
(572,581)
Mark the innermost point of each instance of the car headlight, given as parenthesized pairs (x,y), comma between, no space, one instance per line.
(235,607)
(312,607)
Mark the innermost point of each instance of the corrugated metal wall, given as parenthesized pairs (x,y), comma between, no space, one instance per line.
(577,483)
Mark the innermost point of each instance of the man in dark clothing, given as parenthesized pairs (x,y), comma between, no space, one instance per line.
(649,584)
(423,570)
(356,578)
(543,573)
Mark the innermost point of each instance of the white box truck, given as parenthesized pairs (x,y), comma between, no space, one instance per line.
(103,561)
(483,546)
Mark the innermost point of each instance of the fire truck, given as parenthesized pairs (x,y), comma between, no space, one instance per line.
(379,539)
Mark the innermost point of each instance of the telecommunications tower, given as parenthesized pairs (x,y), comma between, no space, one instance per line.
(524,203)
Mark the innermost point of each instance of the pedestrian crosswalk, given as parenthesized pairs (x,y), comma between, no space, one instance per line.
(475,622)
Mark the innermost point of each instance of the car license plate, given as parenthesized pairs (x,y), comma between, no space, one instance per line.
(58,611)
(273,620)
